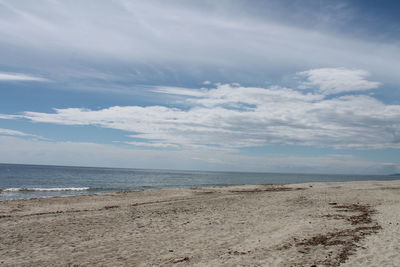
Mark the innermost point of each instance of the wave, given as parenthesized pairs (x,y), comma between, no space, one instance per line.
(43,189)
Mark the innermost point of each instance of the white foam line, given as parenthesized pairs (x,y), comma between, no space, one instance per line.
(16,189)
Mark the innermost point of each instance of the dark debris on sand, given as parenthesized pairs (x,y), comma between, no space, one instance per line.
(338,246)
(266,189)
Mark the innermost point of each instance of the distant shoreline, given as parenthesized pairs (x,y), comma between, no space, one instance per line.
(191,170)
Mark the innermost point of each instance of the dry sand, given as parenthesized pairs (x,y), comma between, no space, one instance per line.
(315,224)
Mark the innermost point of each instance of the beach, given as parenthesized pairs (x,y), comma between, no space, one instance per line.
(310,224)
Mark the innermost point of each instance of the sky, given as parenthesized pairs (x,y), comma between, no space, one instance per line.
(309,86)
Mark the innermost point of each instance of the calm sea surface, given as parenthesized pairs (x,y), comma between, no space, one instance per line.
(31,181)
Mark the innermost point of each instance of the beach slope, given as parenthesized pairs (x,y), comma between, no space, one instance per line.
(314,224)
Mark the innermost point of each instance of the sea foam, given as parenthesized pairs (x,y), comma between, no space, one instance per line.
(48,189)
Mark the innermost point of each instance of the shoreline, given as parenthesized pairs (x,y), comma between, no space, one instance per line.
(252,225)
(170,188)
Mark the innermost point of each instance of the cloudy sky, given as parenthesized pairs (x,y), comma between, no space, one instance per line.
(275,85)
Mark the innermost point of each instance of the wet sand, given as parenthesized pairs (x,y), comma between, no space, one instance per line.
(313,224)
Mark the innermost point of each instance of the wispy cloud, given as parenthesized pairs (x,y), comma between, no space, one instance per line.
(178,91)
(16,133)
(152,144)
(20,77)
(234,116)
(8,117)
(164,42)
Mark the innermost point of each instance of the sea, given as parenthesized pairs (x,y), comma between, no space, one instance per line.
(36,181)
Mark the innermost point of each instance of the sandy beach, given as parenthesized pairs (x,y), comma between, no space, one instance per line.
(313,224)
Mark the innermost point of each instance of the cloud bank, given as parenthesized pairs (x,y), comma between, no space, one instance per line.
(231,117)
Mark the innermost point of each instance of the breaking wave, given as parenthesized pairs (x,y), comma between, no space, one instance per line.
(42,189)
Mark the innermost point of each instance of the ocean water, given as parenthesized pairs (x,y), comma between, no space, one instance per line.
(32,181)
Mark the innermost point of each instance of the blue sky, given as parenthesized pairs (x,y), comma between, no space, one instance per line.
(278,86)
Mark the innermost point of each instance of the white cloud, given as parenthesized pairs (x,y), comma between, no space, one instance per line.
(7,117)
(337,80)
(20,77)
(177,91)
(232,117)
(15,133)
(155,145)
